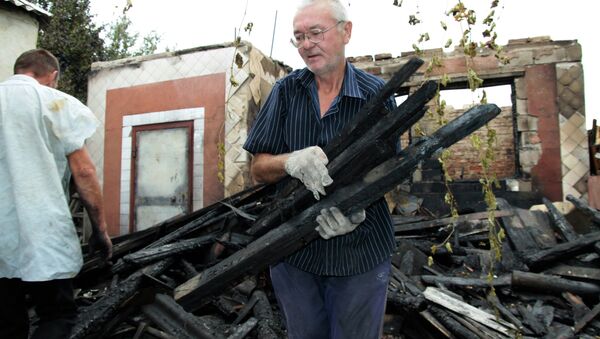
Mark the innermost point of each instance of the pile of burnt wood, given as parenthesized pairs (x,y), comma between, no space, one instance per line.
(546,282)
(202,275)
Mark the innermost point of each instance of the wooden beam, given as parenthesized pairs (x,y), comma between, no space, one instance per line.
(553,284)
(561,224)
(561,251)
(437,296)
(299,230)
(416,226)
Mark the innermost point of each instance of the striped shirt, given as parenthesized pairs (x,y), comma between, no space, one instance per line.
(290,120)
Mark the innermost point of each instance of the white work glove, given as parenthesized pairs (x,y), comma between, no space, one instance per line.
(332,222)
(309,166)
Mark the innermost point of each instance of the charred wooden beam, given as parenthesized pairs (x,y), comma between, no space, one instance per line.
(493,299)
(244,329)
(436,296)
(466,282)
(264,314)
(473,326)
(372,148)
(417,226)
(581,205)
(296,232)
(406,302)
(585,273)
(531,321)
(451,324)
(369,115)
(96,315)
(146,256)
(435,323)
(516,231)
(245,310)
(561,251)
(173,319)
(560,222)
(587,318)
(553,284)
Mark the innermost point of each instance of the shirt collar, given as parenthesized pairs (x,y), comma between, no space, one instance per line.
(349,88)
(24,78)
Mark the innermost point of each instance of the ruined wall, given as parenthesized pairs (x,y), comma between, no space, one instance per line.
(255,79)
(546,118)
(194,84)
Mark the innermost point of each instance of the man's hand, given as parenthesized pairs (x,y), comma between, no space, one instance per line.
(309,165)
(100,241)
(332,222)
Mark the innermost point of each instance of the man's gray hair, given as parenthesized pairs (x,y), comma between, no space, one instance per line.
(337,10)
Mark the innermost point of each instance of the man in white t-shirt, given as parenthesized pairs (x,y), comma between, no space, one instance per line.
(42,135)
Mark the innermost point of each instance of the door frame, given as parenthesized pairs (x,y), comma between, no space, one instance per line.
(189,124)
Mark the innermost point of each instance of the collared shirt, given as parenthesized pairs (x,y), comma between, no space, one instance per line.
(290,120)
(39,127)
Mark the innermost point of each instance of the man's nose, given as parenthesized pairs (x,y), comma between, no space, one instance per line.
(307,44)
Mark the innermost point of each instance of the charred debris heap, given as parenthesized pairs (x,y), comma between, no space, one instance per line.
(202,275)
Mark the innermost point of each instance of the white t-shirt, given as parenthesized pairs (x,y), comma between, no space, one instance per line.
(39,127)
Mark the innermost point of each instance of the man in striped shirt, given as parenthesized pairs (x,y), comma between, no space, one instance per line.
(336,286)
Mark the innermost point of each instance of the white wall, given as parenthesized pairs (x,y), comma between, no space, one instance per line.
(18,33)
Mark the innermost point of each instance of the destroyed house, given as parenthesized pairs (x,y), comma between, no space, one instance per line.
(542,146)
(172,129)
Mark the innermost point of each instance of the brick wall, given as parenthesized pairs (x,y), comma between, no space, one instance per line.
(541,138)
(465,161)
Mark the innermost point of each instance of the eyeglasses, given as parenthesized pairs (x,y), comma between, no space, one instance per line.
(314,35)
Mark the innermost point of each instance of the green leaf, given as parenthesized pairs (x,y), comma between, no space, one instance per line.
(449,247)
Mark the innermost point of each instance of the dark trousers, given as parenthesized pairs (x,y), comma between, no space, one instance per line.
(316,307)
(54,305)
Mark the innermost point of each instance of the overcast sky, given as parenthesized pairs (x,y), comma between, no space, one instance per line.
(379,27)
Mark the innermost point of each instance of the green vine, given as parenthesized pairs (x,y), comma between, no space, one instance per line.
(464,16)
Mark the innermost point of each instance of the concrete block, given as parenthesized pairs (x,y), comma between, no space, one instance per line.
(530,138)
(520,58)
(522,107)
(527,123)
(549,55)
(530,156)
(383,56)
(520,89)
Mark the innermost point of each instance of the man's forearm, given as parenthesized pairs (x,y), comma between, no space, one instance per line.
(268,168)
(88,187)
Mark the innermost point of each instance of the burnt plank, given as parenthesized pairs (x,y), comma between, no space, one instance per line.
(297,231)
(586,273)
(173,319)
(451,324)
(552,284)
(438,297)
(587,318)
(516,231)
(561,251)
(531,321)
(371,149)
(583,206)
(416,226)
(145,256)
(562,226)
(95,316)
(466,282)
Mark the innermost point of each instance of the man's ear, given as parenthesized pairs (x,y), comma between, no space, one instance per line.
(54,79)
(347,31)
(50,79)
